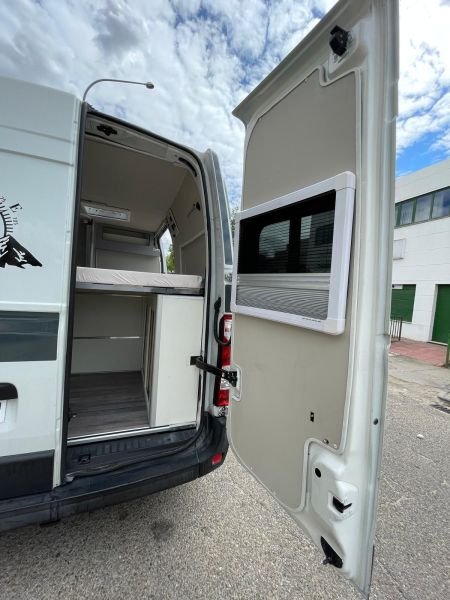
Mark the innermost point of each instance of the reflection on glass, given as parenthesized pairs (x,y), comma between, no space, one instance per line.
(274,239)
(316,250)
(305,229)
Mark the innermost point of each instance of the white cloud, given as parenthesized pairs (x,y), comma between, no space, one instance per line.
(204,56)
(424,72)
(202,63)
(244,22)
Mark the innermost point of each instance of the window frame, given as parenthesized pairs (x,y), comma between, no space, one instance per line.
(334,283)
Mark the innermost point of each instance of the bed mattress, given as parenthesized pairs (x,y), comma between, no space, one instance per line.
(91,275)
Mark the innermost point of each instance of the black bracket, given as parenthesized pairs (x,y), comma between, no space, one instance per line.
(107,129)
(340,506)
(230,376)
(339,39)
(331,556)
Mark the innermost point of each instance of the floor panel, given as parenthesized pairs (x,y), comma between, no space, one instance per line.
(103,402)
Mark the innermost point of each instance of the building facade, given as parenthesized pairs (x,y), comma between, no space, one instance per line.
(421,253)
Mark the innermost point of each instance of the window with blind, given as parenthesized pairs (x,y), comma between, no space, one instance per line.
(295,239)
(293,255)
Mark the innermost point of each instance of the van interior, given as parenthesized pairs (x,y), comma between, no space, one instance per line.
(140,281)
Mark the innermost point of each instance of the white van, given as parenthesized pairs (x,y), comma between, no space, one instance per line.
(116,374)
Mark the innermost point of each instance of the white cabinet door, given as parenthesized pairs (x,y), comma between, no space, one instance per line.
(175,383)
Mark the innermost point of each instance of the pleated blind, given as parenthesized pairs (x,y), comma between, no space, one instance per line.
(295,239)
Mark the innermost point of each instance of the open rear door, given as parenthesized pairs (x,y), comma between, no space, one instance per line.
(312,276)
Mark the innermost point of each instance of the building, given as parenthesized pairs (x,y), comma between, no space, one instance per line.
(421,253)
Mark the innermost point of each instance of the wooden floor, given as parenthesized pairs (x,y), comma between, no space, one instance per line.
(103,402)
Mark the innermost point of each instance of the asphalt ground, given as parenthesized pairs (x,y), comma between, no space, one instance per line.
(223,537)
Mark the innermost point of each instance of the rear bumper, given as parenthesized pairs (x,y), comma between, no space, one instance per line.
(136,480)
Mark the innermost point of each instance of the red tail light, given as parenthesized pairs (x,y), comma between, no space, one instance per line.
(224,360)
(216,459)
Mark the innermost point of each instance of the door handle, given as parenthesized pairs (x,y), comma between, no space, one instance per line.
(8,391)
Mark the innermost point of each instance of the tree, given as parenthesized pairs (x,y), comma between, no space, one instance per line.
(170,260)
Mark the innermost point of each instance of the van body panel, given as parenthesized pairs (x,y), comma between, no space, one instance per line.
(38,152)
(319,398)
(42,173)
(23,474)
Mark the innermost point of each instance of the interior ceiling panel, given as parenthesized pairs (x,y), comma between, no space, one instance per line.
(119,177)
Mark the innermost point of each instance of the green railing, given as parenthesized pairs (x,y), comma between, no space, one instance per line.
(447,355)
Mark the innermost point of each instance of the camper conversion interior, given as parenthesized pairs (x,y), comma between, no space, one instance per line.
(136,322)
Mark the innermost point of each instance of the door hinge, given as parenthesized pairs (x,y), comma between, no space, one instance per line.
(230,376)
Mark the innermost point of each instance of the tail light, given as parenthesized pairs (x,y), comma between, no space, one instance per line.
(222,396)
(217,459)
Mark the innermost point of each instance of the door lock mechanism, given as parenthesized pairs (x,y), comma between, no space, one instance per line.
(230,376)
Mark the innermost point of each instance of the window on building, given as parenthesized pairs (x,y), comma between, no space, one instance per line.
(402,302)
(406,212)
(434,205)
(423,208)
(441,204)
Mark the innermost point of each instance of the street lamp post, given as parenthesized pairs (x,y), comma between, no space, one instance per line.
(148,84)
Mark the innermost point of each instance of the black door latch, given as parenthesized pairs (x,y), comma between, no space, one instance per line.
(230,376)
(8,391)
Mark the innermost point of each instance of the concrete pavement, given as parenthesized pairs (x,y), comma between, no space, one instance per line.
(222,537)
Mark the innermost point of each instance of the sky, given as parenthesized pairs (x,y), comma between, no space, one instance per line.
(205,56)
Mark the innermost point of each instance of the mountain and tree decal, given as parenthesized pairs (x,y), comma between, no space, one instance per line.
(11,251)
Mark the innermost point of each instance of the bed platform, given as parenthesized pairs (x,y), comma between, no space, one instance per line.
(137,282)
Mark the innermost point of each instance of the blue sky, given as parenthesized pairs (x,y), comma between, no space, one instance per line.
(204,56)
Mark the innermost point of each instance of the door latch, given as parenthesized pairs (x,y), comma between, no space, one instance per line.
(230,376)
(8,391)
